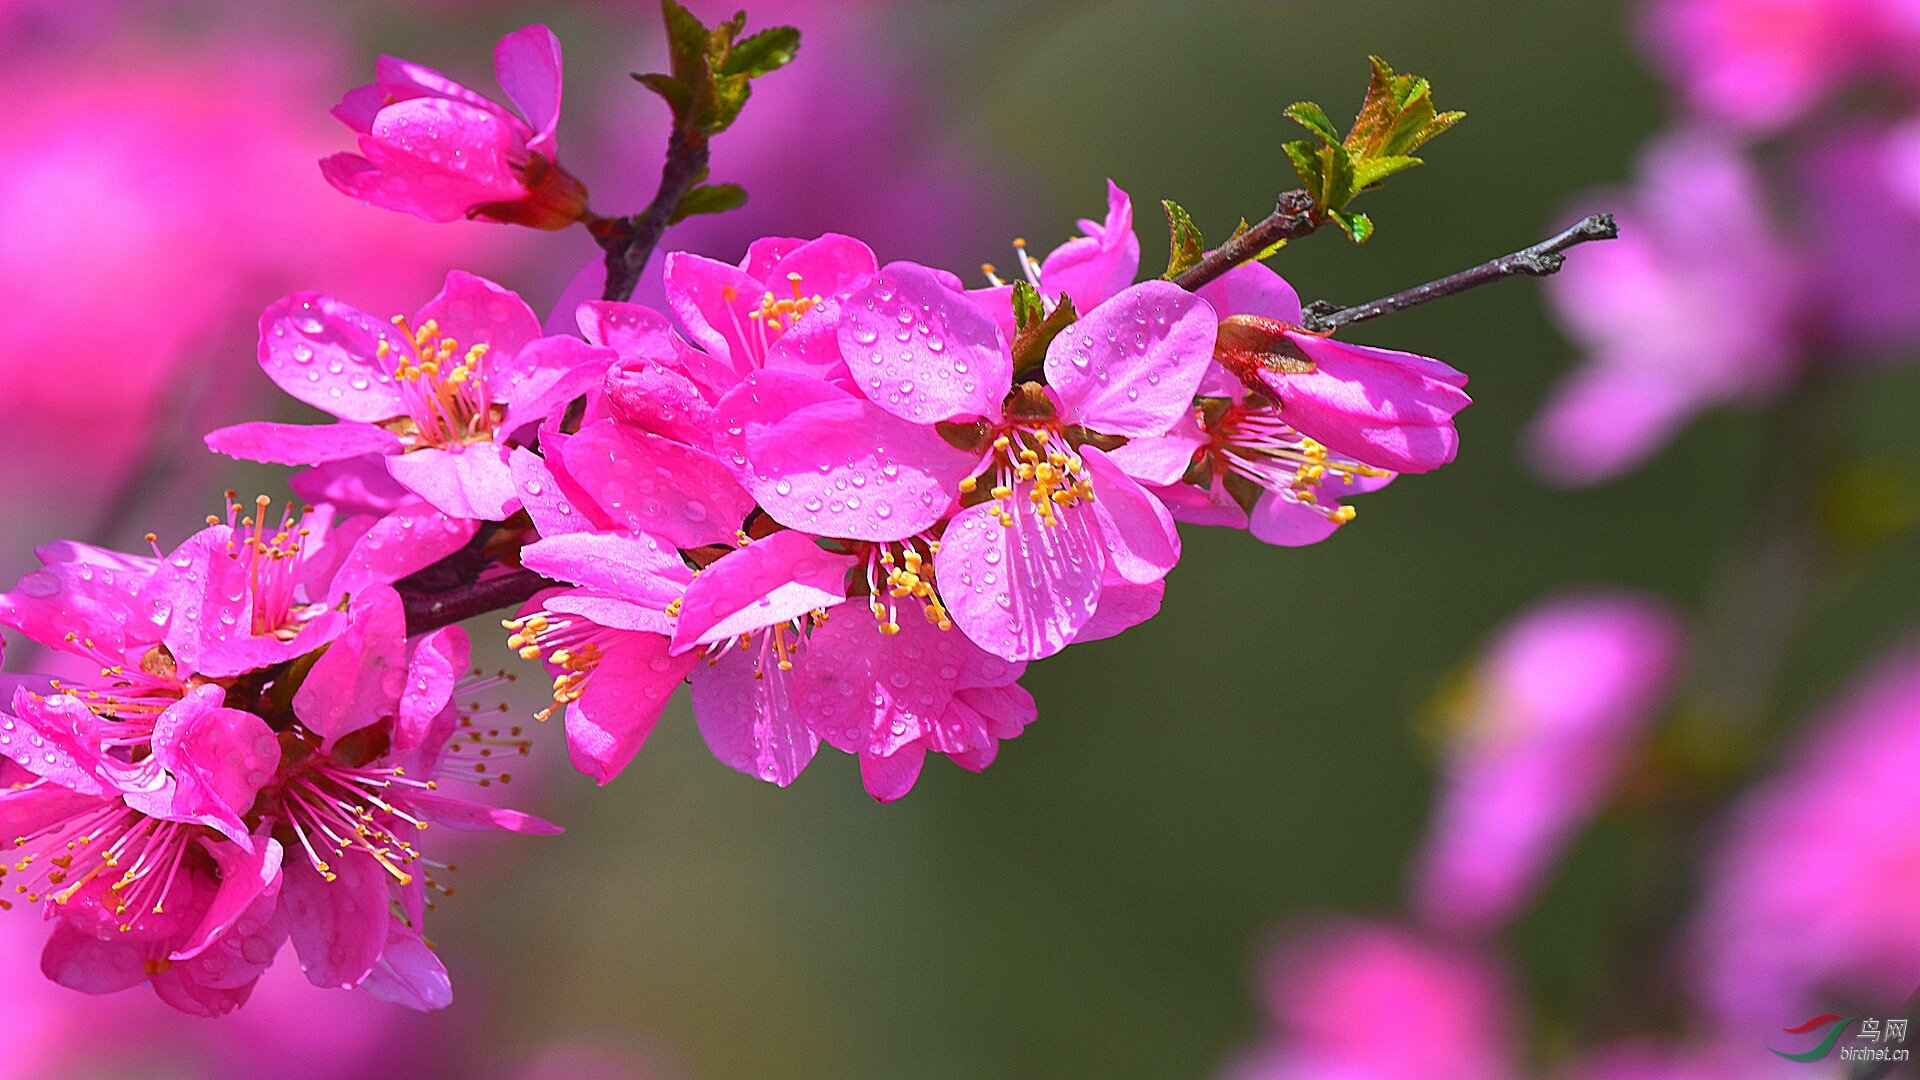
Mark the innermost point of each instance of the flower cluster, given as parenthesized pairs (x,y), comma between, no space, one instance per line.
(1742,267)
(810,428)
(250,759)
(845,501)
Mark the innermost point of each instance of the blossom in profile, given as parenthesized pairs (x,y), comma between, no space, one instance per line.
(437,397)
(433,148)
(1809,898)
(1328,988)
(1541,735)
(1695,305)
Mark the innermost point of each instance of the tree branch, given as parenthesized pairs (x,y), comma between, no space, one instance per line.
(432,610)
(1292,218)
(1537,261)
(629,242)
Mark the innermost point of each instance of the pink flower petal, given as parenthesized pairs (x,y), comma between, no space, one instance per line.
(408,973)
(439,662)
(829,265)
(747,720)
(79,961)
(352,486)
(1138,533)
(325,353)
(1123,606)
(301,444)
(1287,523)
(244,876)
(772,580)
(654,397)
(476,817)
(1020,592)
(1388,409)
(872,693)
(542,496)
(545,376)
(697,289)
(411,538)
(1091,268)
(203,597)
(474,311)
(1131,365)
(220,758)
(623,700)
(339,926)
(846,468)
(1252,289)
(612,612)
(1214,506)
(632,331)
(467,482)
(889,778)
(358,681)
(657,486)
(527,62)
(923,351)
(414,144)
(634,567)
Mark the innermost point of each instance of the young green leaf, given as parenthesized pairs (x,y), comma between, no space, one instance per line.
(1027,308)
(1314,119)
(1038,330)
(1185,247)
(709,199)
(762,52)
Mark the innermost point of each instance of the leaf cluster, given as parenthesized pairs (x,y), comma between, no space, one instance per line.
(1395,120)
(712,76)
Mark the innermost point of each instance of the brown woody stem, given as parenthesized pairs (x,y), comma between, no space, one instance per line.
(629,242)
(1292,218)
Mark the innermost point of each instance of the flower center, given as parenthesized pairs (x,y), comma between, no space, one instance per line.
(1038,464)
(449,399)
(1254,443)
(568,642)
(774,317)
(907,576)
(65,856)
(271,554)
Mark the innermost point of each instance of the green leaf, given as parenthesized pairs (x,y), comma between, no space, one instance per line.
(1314,119)
(762,52)
(709,199)
(1270,250)
(1339,187)
(1358,227)
(1185,247)
(1030,343)
(1368,174)
(1306,165)
(1027,308)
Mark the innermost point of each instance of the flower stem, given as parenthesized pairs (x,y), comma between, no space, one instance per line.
(1539,260)
(427,611)
(629,242)
(1292,218)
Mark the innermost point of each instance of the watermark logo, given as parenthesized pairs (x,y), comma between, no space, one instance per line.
(1874,1033)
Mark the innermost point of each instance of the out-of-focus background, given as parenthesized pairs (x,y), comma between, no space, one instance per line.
(1093,905)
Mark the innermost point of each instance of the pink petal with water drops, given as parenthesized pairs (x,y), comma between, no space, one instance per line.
(1138,533)
(325,353)
(359,679)
(541,496)
(636,567)
(849,469)
(528,64)
(770,581)
(866,692)
(42,737)
(244,876)
(1020,592)
(438,664)
(924,351)
(656,398)
(25,811)
(622,701)
(633,331)
(1131,366)
(1091,268)
(828,265)
(79,961)
(612,612)
(477,817)
(203,596)
(410,143)
(747,719)
(888,778)
(1163,460)
(545,376)
(339,926)
(86,591)
(411,538)
(474,311)
(654,485)
(219,758)
(301,444)
(404,80)
(470,481)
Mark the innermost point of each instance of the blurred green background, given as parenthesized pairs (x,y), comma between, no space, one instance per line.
(1091,904)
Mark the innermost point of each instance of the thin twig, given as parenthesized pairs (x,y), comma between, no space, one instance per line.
(431,611)
(1292,218)
(629,242)
(1537,261)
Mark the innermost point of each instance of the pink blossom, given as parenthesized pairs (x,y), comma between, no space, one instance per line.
(1865,279)
(1694,306)
(438,398)
(1449,1009)
(1811,893)
(1556,706)
(433,148)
